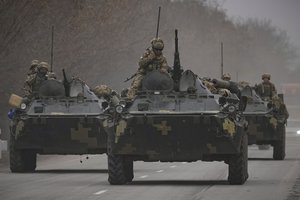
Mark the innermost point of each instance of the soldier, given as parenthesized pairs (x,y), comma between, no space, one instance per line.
(280,107)
(33,67)
(107,93)
(31,73)
(266,90)
(151,59)
(226,77)
(34,81)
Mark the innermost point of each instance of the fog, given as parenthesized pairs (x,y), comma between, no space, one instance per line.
(101,41)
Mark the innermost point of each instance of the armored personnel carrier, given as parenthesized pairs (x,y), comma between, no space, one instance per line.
(176,118)
(267,120)
(62,118)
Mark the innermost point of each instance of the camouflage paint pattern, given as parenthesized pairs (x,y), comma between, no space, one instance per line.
(60,136)
(181,137)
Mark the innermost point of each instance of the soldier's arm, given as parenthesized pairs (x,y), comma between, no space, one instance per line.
(146,59)
(30,79)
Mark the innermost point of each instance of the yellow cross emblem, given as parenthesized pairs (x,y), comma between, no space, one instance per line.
(229,126)
(163,127)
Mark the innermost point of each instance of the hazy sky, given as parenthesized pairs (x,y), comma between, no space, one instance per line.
(283,13)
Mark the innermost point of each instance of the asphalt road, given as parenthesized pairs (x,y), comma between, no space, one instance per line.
(64,177)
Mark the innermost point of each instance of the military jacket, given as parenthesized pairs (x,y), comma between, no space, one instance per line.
(33,83)
(266,90)
(149,61)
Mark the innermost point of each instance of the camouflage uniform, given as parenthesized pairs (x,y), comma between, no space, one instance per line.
(34,81)
(149,61)
(107,93)
(280,106)
(30,75)
(266,90)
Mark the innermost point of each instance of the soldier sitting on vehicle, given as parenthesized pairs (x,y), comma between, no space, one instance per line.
(107,93)
(31,73)
(266,90)
(151,59)
(34,81)
(280,107)
(33,67)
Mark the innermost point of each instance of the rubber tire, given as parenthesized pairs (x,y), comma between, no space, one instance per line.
(129,170)
(279,146)
(120,170)
(238,164)
(21,160)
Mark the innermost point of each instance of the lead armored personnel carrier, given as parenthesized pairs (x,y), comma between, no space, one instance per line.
(62,118)
(267,120)
(177,119)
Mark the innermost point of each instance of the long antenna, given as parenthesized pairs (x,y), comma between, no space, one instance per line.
(158,19)
(222,59)
(52,35)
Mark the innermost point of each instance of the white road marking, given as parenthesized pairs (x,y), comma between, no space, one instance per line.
(184,163)
(173,166)
(159,171)
(100,192)
(145,176)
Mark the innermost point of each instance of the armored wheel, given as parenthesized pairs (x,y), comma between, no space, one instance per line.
(21,160)
(238,164)
(128,164)
(279,146)
(120,170)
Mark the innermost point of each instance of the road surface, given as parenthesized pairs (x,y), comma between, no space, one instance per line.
(65,177)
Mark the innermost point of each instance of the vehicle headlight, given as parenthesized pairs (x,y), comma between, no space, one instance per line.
(231,108)
(23,106)
(119,109)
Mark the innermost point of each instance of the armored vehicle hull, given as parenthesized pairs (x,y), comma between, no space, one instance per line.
(177,137)
(170,126)
(266,124)
(57,124)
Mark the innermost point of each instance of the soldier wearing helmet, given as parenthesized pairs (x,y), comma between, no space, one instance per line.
(152,59)
(33,67)
(30,75)
(103,91)
(266,90)
(34,81)
(226,77)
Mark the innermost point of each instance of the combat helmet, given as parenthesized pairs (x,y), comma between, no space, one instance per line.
(268,76)
(226,77)
(102,90)
(34,63)
(43,65)
(157,43)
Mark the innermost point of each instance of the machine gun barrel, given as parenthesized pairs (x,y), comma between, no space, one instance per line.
(66,84)
(177,71)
